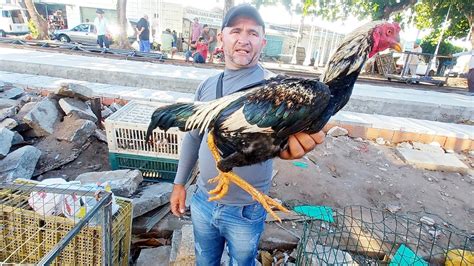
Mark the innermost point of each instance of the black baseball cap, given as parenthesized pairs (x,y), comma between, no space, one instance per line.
(243,10)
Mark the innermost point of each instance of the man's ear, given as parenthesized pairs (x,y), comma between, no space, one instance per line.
(264,42)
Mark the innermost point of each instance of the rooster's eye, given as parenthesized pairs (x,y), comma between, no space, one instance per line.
(389,32)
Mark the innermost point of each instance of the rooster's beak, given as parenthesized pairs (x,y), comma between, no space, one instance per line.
(397,47)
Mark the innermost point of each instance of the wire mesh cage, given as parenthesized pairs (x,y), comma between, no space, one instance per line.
(358,235)
(63,224)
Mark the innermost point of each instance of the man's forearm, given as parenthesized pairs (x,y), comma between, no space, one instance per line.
(188,156)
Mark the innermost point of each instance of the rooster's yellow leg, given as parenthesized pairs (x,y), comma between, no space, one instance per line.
(224,178)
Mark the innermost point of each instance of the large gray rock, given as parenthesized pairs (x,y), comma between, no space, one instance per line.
(337,132)
(12,93)
(42,117)
(106,112)
(77,108)
(274,237)
(7,112)
(123,182)
(75,90)
(17,138)
(432,160)
(6,137)
(152,197)
(4,103)
(75,130)
(159,256)
(182,246)
(19,117)
(19,164)
(9,123)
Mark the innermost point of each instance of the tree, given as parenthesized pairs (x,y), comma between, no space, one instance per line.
(40,23)
(123,24)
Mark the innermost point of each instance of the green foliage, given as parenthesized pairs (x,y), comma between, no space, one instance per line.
(33,30)
(428,45)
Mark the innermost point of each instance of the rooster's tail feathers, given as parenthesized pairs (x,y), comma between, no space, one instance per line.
(166,117)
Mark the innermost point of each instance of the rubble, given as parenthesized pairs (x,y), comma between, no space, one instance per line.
(7,112)
(159,256)
(324,256)
(42,117)
(77,108)
(100,135)
(8,123)
(427,220)
(115,107)
(274,237)
(75,130)
(432,160)
(380,141)
(123,182)
(6,137)
(405,145)
(337,132)
(428,147)
(152,197)
(12,93)
(182,247)
(106,112)
(5,103)
(19,164)
(17,138)
(75,90)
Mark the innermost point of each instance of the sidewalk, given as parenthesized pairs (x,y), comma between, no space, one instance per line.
(368,126)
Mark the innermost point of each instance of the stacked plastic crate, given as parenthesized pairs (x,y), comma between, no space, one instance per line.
(126,131)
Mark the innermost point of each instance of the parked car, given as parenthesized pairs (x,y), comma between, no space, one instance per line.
(85,33)
(12,20)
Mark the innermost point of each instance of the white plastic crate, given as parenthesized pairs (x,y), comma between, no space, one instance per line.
(126,132)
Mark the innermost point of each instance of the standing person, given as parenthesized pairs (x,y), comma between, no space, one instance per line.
(196,30)
(210,38)
(414,58)
(175,39)
(155,24)
(143,29)
(236,220)
(101,24)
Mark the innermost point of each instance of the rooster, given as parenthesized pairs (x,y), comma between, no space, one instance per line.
(254,124)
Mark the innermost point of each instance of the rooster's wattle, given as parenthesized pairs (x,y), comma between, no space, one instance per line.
(254,125)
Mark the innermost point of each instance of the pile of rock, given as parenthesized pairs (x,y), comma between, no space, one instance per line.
(38,134)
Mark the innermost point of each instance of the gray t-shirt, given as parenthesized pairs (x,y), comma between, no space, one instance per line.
(195,145)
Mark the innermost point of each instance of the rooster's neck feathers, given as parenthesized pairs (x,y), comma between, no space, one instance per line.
(352,53)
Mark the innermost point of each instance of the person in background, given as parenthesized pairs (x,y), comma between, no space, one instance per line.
(196,30)
(155,26)
(101,24)
(200,54)
(143,29)
(210,38)
(470,72)
(414,58)
(175,39)
(167,41)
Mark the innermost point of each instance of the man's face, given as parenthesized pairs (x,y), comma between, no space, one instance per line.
(206,29)
(243,42)
(196,20)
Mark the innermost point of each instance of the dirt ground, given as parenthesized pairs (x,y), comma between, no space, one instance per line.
(343,171)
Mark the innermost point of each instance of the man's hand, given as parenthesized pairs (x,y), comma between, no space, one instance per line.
(177,200)
(301,143)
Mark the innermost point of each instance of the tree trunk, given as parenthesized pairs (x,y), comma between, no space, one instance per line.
(388,9)
(40,23)
(123,24)
(228,5)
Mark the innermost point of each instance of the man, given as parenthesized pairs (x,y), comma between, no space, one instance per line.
(100,23)
(414,58)
(200,51)
(143,29)
(236,219)
(196,30)
(210,38)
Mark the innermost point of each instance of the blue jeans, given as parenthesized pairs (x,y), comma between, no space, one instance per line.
(145,46)
(215,224)
(103,41)
(197,57)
